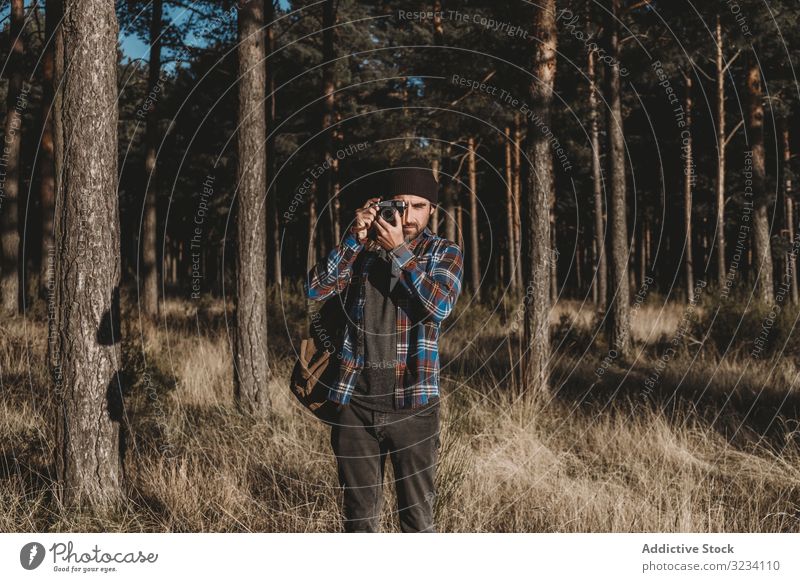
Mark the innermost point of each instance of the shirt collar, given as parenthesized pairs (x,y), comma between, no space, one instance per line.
(426,232)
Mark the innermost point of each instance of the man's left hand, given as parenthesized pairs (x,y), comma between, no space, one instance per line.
(389,236)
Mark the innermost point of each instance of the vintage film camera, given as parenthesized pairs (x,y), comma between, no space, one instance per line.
(386,209)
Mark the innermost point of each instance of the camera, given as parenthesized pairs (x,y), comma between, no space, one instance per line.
(386,209)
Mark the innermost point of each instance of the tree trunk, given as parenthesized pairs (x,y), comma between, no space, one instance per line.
(449,208)
(619,312)
(601,272)
(272,195)
(517,198)
(251,359)
(87,248)
(459,218)
(535,214)
(149,228)
(473,219)
(17,101)
(721,263)
(328,107)
(791,257)
(510,242)
(46,151)
(761,234)
(688,181)
(553,258)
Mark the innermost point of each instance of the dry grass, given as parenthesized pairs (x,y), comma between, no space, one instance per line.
(713,448)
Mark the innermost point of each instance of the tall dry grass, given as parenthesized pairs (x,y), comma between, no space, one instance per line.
(712,448)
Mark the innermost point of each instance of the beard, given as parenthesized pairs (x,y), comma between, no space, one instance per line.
(410,235)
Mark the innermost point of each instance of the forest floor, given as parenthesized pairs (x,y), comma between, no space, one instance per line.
(681,437)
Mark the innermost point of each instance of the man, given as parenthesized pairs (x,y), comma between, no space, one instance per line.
(400,281)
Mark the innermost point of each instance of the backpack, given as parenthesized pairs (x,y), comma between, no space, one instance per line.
(317,366)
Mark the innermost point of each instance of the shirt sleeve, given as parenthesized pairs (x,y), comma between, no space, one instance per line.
(438,290)
(332,274)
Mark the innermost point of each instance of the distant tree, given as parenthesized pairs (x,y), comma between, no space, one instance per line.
(619,285)
(16,102)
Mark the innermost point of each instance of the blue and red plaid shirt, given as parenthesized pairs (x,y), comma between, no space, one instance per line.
(430,282)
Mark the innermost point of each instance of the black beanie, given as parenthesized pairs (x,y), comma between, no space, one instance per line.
(411,179)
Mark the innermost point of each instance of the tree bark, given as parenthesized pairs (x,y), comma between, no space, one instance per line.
(517,199)
(721,262)
(46,151)
(536,205)
(473,219)
(791,257)
(327,198)
(17,101)
(434,221)
(86,328)
(761,234)
(688,181)
(601,269)
(149,232)
(511,243)
(251,358)
(272,195)
(619,312)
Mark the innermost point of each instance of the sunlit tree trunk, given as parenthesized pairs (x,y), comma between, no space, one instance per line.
(688,181)
(473,219)
(761,233)
(86,353)
(251,359)
(619,308)
(721,143)
(16,103)
(791,258)
(536,205)
(601,273)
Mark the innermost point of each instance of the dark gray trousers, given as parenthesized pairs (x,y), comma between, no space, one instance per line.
(361,440)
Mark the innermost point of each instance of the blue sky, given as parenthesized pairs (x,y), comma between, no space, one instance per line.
(134,48)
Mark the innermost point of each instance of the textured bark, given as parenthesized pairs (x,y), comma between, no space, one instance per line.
(536,205)
(761,235)
(252,372)
(619,306)
(517,198)
(601,272)
(511,243)
(272,197)
(720,70)
(149,293)
(475,274)
(788,201)
(86,327)
(47,187)
(16,103)
(687,192)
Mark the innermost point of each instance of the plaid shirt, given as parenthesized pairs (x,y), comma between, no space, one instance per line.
(429,285)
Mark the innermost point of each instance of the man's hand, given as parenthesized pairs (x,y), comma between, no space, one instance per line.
(364,218)
(389,236)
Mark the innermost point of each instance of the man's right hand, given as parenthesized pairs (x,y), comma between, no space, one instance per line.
(364,218)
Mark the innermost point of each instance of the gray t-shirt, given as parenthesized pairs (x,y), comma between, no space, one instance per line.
(375,385)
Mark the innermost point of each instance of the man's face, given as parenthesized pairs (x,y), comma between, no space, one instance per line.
(416,216)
